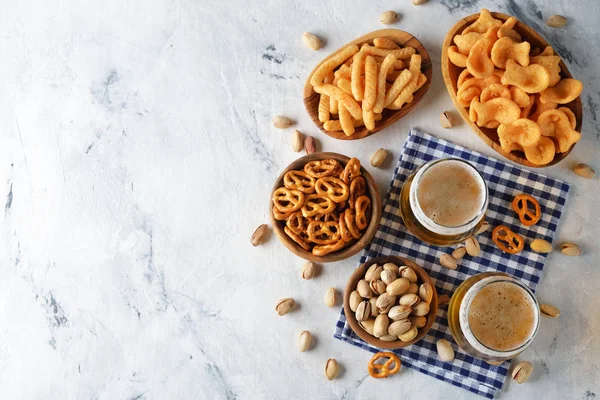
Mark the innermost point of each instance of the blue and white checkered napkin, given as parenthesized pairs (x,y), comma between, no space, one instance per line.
(504,182)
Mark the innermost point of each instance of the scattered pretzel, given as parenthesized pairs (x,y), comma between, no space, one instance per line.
(358,187)
(299,180)
(323,232)
(351,171)
(361,207)
(383,370)
(317,204)
(322,168)
(286,200)
(506,240)
(521,206)
(332,187)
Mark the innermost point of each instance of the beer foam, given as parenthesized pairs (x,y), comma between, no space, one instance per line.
(451,193)
(502,316)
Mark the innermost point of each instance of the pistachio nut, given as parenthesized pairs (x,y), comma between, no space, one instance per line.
(284,306)
(354,300)
(373,273)
(374,309)
(391,267)
(426,292)
(556,21)
(377,286)
(332,369)
(445,350)
(446,260)
(397,287)
(260,235)
(419,322)
(409,299)
(413,288)
(472,246)
(584,171)
(549,311)
(443,300)
(367,325)
(312,41)
(304,341)
(570,249)
(483,228)
(330,297)
(446,120)
(382,323)
(378,158)
(363,311)
(397,328)
(385,302)
(420,309)
(282,122)
(388,17)
(308,270)
(388,276)
(459,253)
(418,2)
(397,313)
(408,273)
(522,371)
(409,334)
(363,289)
(540,246)
(388,338)
(310,145)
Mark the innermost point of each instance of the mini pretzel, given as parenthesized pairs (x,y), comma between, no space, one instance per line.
(383,370)
(349,219)
(322,168)
(335,217)
(297,223)
(358,187)
(521,206)
(286,200)
(279,216)
(351,171)
(323,232)
(344,232)
(317,204)
(296,238)
(333,188)
(506,240)
(299,180)
(322,250)
(361,206)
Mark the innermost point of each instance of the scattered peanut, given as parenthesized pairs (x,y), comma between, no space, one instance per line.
(312,41)
(584,170)
(297,141)
(388,17)
(309,145)
(556,21)
(308,270)
(282,122)
(332,369)
(378,158)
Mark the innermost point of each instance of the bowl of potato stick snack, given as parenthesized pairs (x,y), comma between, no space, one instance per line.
(511,87)
(325,207)
(368,84)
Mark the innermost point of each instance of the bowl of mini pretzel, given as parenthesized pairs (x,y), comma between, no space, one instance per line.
(325,207)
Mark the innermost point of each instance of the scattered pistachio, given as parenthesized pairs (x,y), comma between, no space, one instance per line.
(308,270)
(332,369)
(549,311)
(304,341)
(484,227)
(446,260)
(260,235)
(540,246)
(443,300)
(282,122)
(330,297)
(312,41)
(584,170)
(378,158)
(522,371)
(284,306)
(388,17)
(472,246)
(446,120)
(570,249)
(556,21)
(459,253)
(419,2)
(445,350)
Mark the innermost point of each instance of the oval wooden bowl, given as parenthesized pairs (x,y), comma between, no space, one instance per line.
(359,274)
(450,73)
(404,39)
(345,252)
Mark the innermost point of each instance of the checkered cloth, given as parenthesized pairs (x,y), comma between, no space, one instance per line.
(504,182)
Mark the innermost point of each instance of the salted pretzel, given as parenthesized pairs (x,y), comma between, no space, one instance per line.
(335,217)
(279,216)
(360,208)
(323,232)
(351,171)
(322,250)
(384,370)
(358,187)
(506,240)
(317,204)
(322,168)
(521,206)
(297,222)
(299,180)
(332,187)
(344,232)
(296,238)
(287,200)
(349,219)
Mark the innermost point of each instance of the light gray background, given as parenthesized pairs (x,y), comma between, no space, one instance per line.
(137,157)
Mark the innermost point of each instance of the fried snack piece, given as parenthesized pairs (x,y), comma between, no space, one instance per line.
(548,51)
(346,119)
(510,33)
(328,66)
(384,370)
(398,85)
(351,170)
(483,23)
(505,48)
(506,240)
(519,96)
(473,87)
(370,84)
(358,68)
(525,112)
(287,200)
(335,125)
(466,41)
(299,180)
(400,54)
(570,116)
(540,153)
(518,134)
(296,238)
(344,71)
(323,250)
(493,91)
(323,109)
(317,204)
(556,124)
(350,222)
(323,232)
(563,92)
(540,107)
(479,63)
(420,82)
(387,64)
(339,95)
(332,187)
(384,43)
(321,168)
(464,75)
(521,206)
(409,89)
(552,64)
(280,216)
(498,109)
(344,84)
(361,208)
(532,79)
(369,119)
(358,188)
(457,58)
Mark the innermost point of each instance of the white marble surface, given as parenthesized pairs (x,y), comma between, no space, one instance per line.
(136,159)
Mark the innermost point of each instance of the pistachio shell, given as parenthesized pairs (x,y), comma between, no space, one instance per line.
(419,322)
(397,313)
(284,306)
(391,267)
(355,300)
(570,249)
(397,287)
(397,328)
(378,158)
(443,300)
(304,341)
(332,369)
(377,286)
(382,323)
(330,297)
(388,338)
(373,273)
(364,289)
(459,253)
(409,299)
(483,228)
(409,334)
(446,260)
(374,309)
(426,293)
(308,270)
(420,309)
(445,350)
(540,246)
(408,273)
(385,302)
(584,171)
(413,289)
(388,17)
(282,122)
(522,371)
(549,311)
(472,246)
(368,325)
(388,276)
(363,311)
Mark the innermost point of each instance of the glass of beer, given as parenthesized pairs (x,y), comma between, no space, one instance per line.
(444,201)
(493,316)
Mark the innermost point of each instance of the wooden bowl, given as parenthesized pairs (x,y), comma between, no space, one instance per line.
(347,251)
(450,73)
(404,39)
(359,274)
